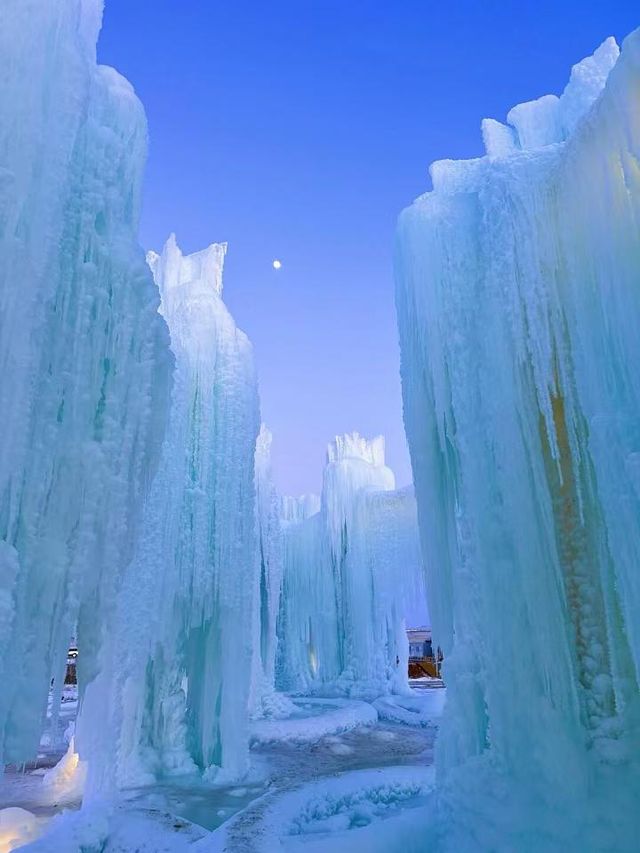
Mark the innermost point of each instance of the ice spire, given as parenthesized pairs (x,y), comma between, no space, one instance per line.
(171,269)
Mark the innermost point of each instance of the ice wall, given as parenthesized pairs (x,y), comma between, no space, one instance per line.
(350,571)
(84,358)
(307,628)
(176,702)
(519,308)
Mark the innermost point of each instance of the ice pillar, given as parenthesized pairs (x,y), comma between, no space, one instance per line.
(84,358)
(518,306)
(178,698)
(350,571)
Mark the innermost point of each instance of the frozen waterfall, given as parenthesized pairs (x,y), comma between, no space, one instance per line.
(177,699)
(84,359)
(519,309)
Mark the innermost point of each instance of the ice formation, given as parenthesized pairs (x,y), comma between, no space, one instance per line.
(17,827)
(84,359)
(519,309)
(176,701)
(270,552)
(349,570)
(264,700)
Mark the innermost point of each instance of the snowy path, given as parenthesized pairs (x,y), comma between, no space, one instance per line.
(300,772)
(343,768)
(295,760)
(339,813)
(340,786)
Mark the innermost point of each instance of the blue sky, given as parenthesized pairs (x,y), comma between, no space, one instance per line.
(299,130)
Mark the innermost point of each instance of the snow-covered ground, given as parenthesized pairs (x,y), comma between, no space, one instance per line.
(33,786)
(313,719)
(323,778)
(342,813)
(422,708)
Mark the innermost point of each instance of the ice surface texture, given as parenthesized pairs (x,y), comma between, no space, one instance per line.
(364,810)
(349,570)
(177,698)
(519,309)
(84,360)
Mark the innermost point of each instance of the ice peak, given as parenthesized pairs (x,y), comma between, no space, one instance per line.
(172,269)
(354,464)
(551,119)
(587,80)
(297,509)
(264,440)
(352,445)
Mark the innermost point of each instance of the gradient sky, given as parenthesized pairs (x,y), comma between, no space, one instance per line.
(299,130)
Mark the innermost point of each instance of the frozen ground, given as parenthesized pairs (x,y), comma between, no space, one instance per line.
(345,812)
(313,719)
(330,771)
(420,709)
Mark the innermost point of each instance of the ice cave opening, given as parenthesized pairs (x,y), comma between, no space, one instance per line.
(190,659)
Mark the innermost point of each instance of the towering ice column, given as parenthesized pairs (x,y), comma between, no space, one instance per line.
(307,628)
(382,578)
(84,357)
(178,698)
(355,467)
(519,309)
(268,581)
(349,573)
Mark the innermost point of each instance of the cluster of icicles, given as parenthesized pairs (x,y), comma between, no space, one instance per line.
(137,507)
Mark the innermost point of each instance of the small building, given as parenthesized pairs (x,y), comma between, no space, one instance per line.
(422,659)
(419,643)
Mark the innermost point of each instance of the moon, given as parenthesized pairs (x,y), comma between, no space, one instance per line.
(277,264)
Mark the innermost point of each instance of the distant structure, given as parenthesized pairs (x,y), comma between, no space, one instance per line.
(422,660)
(419,643)
(70,676)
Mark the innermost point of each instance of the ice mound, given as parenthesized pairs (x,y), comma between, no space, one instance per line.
(17,828)
(66,780)
(423,708)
